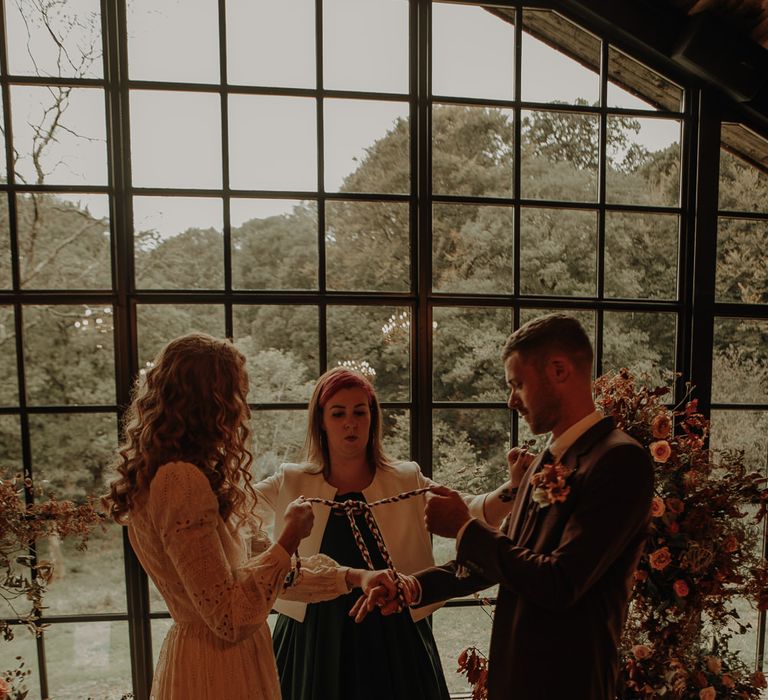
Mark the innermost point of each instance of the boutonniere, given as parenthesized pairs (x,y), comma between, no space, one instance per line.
(550,484)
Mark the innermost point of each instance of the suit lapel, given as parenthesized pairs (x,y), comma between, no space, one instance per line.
(572,458)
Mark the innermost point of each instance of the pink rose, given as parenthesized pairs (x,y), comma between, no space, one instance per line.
(661,425)
(657,507)
(660,451)
(707,693)
(681,589)
(641,651)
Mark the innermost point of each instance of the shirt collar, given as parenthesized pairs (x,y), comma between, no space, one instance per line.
(559,447)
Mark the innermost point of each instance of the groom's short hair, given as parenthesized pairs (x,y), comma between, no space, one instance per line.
(546,335)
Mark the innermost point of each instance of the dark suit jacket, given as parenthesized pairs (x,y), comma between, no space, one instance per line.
(565,573)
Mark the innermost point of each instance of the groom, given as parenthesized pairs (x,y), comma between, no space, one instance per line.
(565,556)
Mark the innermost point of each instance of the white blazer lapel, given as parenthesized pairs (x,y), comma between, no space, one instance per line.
(316,488)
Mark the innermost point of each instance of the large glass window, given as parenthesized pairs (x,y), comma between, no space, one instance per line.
(303,178)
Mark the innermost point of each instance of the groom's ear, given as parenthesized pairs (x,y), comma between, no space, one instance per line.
(559,368)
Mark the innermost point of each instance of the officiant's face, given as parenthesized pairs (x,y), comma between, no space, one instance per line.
(531,393)
(347,422)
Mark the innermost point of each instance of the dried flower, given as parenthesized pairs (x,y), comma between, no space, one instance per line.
(727,680)
(681,588)
(708,693)
(714,665)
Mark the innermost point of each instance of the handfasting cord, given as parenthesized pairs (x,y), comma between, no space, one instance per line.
(352,508)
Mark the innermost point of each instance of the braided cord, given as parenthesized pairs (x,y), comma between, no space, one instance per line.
(352,508)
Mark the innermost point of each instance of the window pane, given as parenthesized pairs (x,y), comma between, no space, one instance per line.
(160,323)
(6,278)
(274,244)
(278,437)
(160,628)
(175,139)
(9,385)
(59,134)
(178,242)
(633,86)
(272,142)
(60,39)
(469,450)
(157,50)
(742,187)
(742,266)
(281,346)
(641,255)
(473,52)
(358,233)
(559,156)
(558,252)
(472,150)
(455,629)
(375,340)
(740,361)
(358,57)
(472,249)
(643,161)
(743,170)
(71,454)
(642,342)
(10,447)
(367,146)
(24,645)
(271,42)
(396,425)
(64,241)
(742,430)
(467,345)
(553,46)
(69,354)
(88,659)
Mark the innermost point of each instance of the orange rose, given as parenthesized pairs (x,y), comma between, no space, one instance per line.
(681,588)
(730,544)
(657,507)
(661,425)
(660,559)
(727,680)
(641,651)
(708,693)
(660,451)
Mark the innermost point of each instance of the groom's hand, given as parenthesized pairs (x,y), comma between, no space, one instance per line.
(446,512)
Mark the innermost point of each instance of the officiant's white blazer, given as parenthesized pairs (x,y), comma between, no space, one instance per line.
(401,523)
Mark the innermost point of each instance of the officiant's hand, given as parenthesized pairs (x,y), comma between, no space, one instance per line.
(446,512)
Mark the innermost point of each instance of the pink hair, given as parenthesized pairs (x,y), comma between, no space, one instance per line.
(344,379)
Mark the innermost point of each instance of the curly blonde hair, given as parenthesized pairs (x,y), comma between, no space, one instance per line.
(190,406)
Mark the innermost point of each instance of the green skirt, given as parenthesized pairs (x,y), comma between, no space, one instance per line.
(330,657)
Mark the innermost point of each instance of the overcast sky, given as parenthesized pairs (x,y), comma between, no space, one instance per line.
(176,136)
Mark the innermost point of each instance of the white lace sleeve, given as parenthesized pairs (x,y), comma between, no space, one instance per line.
(321,578)
(232,602)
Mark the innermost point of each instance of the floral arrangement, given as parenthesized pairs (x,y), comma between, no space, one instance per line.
(23,581)
(702,556)
(550,484)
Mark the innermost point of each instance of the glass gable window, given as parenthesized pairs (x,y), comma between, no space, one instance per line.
(389,185)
